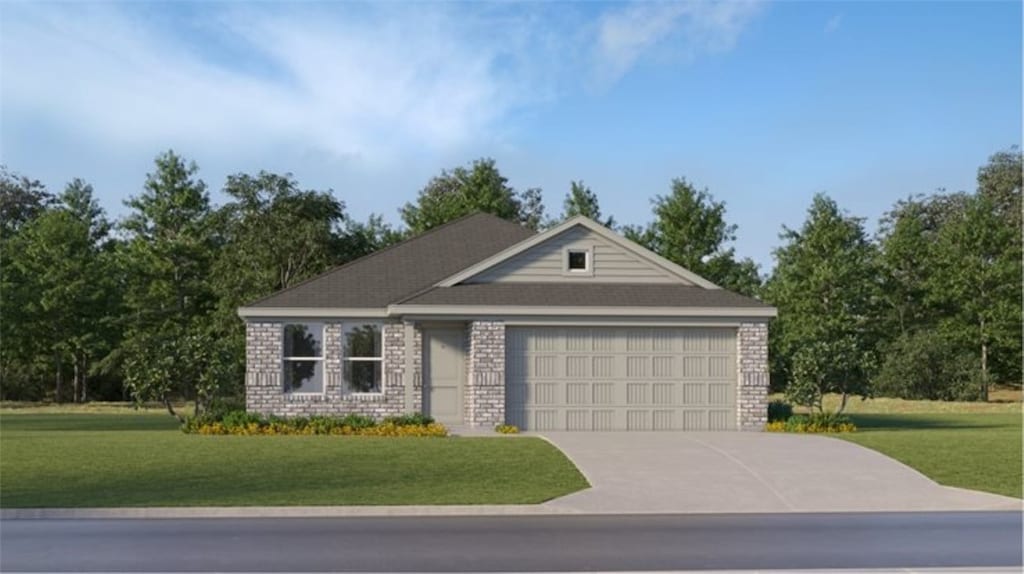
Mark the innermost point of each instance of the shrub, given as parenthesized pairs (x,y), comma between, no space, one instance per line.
(357,421)
(250,424)
(928,365)
(813,423)
(779,411)
(507,429)
(411,419)
(234,419)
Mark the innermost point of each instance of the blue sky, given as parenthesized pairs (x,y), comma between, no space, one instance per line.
(763,103)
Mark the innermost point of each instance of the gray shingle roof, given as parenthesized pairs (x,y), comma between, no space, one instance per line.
(406,268)
(582,294)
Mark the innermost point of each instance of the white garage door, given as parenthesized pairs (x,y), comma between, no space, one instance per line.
(608,378)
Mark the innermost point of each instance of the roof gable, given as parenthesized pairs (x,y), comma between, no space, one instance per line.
(539,258)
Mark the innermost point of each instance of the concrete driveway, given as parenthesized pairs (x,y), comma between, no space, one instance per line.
(749,472)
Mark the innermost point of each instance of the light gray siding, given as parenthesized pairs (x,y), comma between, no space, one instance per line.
(544,263)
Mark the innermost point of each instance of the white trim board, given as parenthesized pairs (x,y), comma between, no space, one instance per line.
(479,311)
(310,312)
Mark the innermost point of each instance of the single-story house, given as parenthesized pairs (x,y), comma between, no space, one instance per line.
(480,322)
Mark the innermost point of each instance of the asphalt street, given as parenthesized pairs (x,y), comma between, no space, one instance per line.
(520,543)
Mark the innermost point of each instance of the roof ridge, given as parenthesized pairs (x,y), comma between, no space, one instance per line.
(368,256)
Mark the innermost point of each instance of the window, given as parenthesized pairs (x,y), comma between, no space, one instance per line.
(362,357)
(578,260)
(303,358)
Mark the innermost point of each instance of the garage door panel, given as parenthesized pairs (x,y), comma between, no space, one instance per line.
(603,367)
(603,393)
(587,379)
(577,367)
(718,394)
(577,393)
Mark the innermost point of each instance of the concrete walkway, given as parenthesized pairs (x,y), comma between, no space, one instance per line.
(749,472)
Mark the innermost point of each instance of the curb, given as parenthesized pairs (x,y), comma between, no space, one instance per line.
(280,512)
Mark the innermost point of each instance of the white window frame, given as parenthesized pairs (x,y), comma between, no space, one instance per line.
(588,251)
(285,359)
(346,359)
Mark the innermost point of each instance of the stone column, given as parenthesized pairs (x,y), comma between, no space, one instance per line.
(752,367)
(262,366)
(485,382)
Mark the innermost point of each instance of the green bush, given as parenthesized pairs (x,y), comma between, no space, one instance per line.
(241,422)
(779,411)
(814,423)
(220,407)
(928,365)
(234,419)
(357,421)
(411,419)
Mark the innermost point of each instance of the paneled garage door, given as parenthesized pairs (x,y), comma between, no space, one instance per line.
(607,378)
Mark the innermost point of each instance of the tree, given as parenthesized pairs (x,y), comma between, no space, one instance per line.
(167,256)
(67,314)
(275,234)
(361,239)
(580,200)
(21,200)
(824,289)
(978,278)
(689,229)
(462,191)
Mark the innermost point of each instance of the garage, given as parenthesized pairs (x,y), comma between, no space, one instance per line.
(621,378)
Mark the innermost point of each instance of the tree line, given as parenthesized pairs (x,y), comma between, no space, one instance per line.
(144,308)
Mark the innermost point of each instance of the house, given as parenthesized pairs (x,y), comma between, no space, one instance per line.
(481,321)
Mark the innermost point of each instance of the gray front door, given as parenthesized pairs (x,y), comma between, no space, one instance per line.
(444,364)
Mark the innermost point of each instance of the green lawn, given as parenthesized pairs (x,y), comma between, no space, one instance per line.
(980,451)
(96,460)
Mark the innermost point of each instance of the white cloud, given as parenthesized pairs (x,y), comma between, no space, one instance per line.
(691,26)
(833,23)
(326,82)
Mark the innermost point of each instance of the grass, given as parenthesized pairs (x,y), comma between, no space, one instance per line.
(965,444)
(979,451)
(141,459)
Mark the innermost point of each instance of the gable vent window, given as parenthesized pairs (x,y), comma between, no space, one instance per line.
(578,260)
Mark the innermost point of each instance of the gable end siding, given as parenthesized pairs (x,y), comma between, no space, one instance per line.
(544,263)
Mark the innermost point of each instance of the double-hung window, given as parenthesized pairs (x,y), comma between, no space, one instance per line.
(303,358)
(362,357)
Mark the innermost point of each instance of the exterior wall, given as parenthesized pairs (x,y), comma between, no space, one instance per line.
(264,386)
(485,381)
(544,263)
(752,383)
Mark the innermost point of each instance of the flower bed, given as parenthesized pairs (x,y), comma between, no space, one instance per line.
(813,423)
(246,424)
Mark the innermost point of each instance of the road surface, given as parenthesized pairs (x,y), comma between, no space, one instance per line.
(520,543)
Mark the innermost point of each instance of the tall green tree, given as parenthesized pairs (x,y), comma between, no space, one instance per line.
(978,278)
(167,256)
(690,229)
(363,238)
(824,289)
(461,191)
(59,256)
(580,200)
(22,199)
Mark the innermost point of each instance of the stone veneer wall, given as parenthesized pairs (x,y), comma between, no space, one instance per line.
(752,367)
(485,381)
(417,370)
(264,390)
